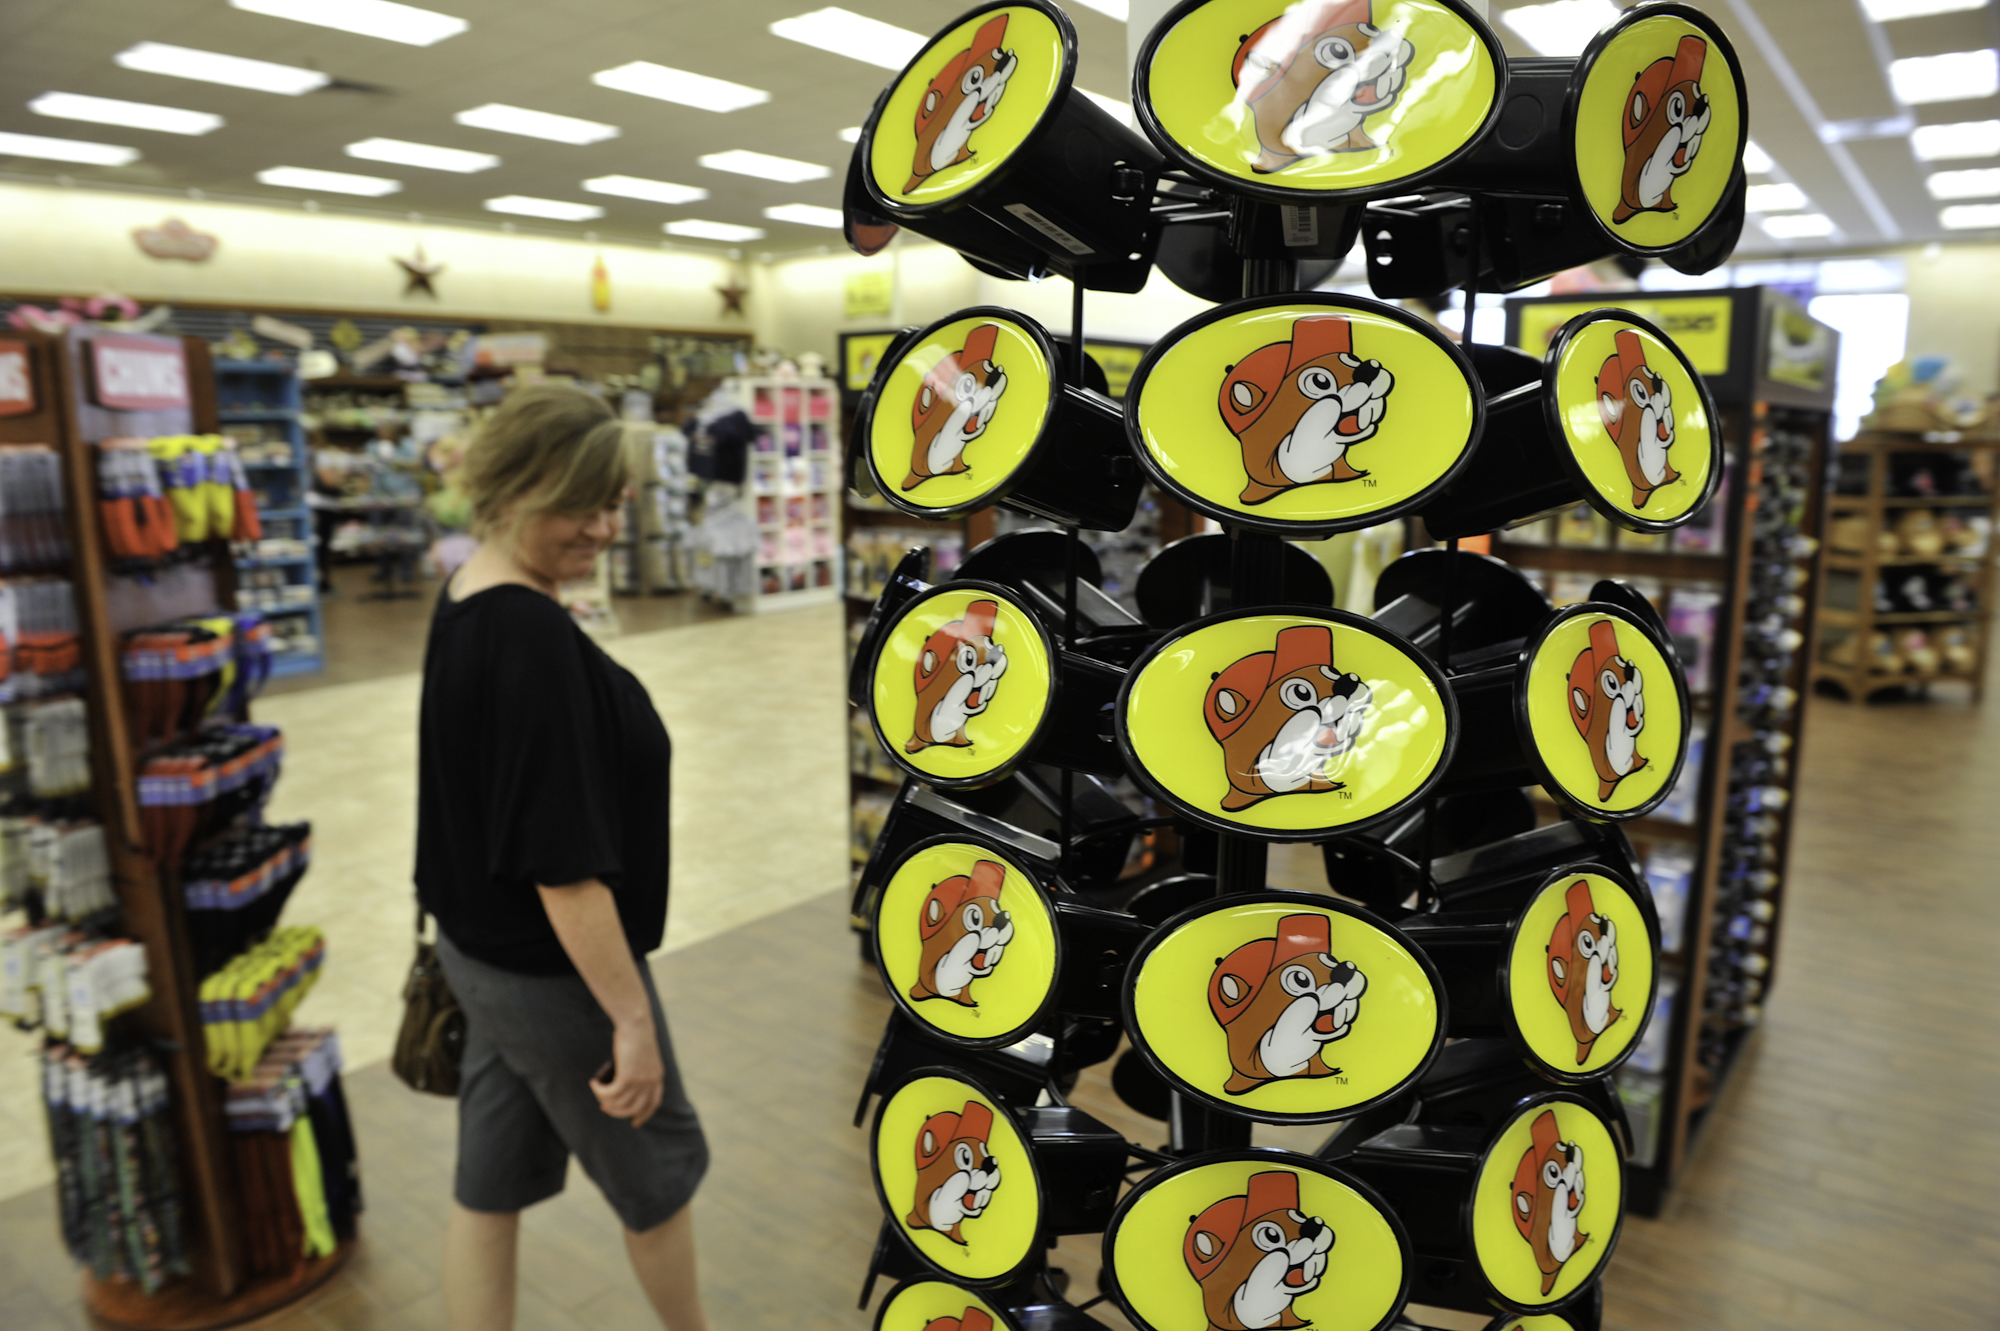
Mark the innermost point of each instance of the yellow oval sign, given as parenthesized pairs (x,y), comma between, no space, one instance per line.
(1580,973)
(1547,1204)
(967,942)
(1283,1007)
(1531,1322)
(958,412)
(1319,98)
(1658,126)
(1607,713)
(955,1175)
(1198,1246)
(1636,420)
(961,684)
(937,1305)
(967,103)
(1302,413)
(1286,725)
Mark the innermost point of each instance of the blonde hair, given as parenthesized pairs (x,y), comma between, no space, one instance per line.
(547,449)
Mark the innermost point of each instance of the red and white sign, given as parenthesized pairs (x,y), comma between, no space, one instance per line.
(17,381)
(138,373)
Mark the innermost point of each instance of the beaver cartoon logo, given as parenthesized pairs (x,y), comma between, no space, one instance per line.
(1548,1198)
(1583,967)
(1607,701)
(1283,716)
(1253,1254)
(1638,410)
(1313,75)
(954,407)
(973,1320)
(1297,407)
(1665,117)
(956,1174)
(1282,1001)
(965,933)
(961,99)
(956,677)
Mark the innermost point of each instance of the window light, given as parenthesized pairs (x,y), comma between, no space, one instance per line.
(1969,216)
(427,155)
(806,214)
(1797,226)
(852,134)
(1966,138)
(1756,162)
(856,36)
(679,85)
(1953,77)
(1776,198)
(66,150)
(1887,11)
(1121,110)
(1118,9)
(184,62)
(368,18)
(536,124)
(764,166)
(330,182)
(556,210)
(1560,27)
(653,191)
(700,230)
(131,115)
(1983,183)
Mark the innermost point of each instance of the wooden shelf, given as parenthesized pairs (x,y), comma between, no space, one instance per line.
(1847,501)
(1673,565)
(1861,618)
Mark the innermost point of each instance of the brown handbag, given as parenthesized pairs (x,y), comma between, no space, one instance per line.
(431,1043)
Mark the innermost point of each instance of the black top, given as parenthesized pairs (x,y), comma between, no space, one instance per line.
(540,762)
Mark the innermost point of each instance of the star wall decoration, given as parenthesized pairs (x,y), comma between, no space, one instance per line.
(418,273)
(732,297)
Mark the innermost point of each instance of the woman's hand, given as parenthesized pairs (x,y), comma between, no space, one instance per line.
(638,1076)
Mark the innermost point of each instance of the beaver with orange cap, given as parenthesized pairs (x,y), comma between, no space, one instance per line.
(956,1173)
(1297,407)
(1637,407)
(1583,967)
(954,407)
(964,932)
(1548,1197)
(1607,703)
(1313,76)
(1253,1254)
(961,99)
(1281,1001)
(956,676)
(1666,115)
(1282,716)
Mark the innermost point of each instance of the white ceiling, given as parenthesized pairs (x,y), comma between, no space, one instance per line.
(1817,71)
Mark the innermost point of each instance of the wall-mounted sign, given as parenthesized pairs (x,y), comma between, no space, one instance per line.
(138,373)
(868,295)
(17,380)
(175,239)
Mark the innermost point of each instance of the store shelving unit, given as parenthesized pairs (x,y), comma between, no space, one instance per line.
(793,482)
(1864,574)
(1769,368)
(259,403)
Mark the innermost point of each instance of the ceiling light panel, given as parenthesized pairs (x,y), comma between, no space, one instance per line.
(1779,198)
(1120,111)
(429,156)
(1953,77)
(556,210)
(806,214)
(520,120)
(131,115)
(1969,216)
(1797,226)
(1117,9)
(697,229)
(681,86)
(328,182)
(184,62)
(855,36)
(764,166)
(638,187)
(1756,162)
(66,150)
(367,18)
(1983,183)
(1560,27)
(1966,138)
(1887,11)
(852,134)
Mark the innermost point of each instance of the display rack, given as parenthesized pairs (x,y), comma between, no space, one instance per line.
(1769,368)
(1909,600)
(792,481)
(258,404)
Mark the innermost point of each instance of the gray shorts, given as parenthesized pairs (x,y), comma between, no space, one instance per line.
(532,1044)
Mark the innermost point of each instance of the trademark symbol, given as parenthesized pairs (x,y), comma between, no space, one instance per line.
(1368,482)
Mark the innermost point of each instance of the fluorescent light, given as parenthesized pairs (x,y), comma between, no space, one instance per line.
(1122,111)
(1966,138)
(853,35)
(1886,11)
(1778,198)
(678,85)
(700,230)
(132,115)
(1117,9)
(1954,77)
(330,182)
(536,124)
(1969,216)
(183,62)
(1797,226)
(1982,183)
(763,166)
(369,18)
(807,214)
(66,150)
(852,134)
(1560,27)
(556,210)
(653,191)
(1756,162)
(430,156)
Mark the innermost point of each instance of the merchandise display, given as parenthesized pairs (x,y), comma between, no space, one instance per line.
(259,403)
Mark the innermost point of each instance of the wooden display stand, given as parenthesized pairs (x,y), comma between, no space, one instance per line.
(219,1293)
(1861,675)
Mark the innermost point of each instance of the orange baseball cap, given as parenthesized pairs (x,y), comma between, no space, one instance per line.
(1251,382)
(1546,1138)
(1583,672)
(1214,1232)
(1660,78)
(1297,647)
(945,899)
(974,1320)
(935,396)
(973,1123)
(1243,972)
